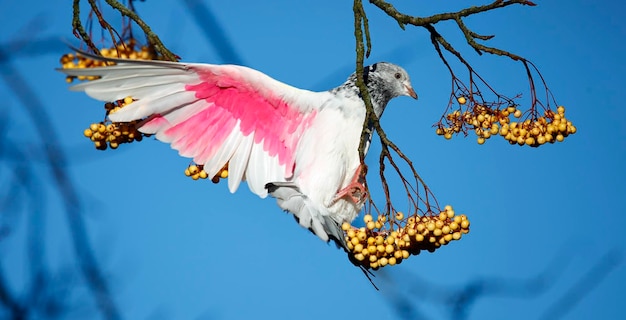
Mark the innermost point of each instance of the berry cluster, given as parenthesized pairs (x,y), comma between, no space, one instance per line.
(125,50)
(378,244)
(196,171)
(111,134)
(550,127)
(487,122)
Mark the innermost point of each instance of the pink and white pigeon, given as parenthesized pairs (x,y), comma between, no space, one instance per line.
(299,146)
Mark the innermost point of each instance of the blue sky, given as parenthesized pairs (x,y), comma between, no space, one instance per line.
(173,248)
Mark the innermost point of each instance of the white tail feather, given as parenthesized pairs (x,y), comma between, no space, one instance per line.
(314,217)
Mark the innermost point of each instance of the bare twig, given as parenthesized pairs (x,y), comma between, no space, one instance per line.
(80,31)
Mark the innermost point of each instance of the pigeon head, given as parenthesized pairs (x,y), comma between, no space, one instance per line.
(391,78)
(384,81)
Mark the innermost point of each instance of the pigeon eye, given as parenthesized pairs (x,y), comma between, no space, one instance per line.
(398,75)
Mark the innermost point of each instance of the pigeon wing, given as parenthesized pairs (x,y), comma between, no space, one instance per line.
(215,114)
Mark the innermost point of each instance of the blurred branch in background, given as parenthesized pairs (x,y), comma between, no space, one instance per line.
(213,31)
(587,283)
(407,293)
(19,157)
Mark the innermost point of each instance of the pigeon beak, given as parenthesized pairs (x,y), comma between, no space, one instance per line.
(410,92)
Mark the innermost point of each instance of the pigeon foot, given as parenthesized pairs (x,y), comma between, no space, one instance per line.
(356,190)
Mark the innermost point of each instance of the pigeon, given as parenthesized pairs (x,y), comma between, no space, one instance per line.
(298,146)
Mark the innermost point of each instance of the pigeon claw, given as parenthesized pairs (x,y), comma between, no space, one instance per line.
(354,191)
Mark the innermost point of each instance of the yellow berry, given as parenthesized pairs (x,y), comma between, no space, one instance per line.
(535,131)
(371,225)
(224,174)
(461,100)
(345,226)
(523,132)
(517,113)
(367,218)
(399,216)
(541,139)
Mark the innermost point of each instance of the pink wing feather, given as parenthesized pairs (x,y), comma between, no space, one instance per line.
(214,114)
